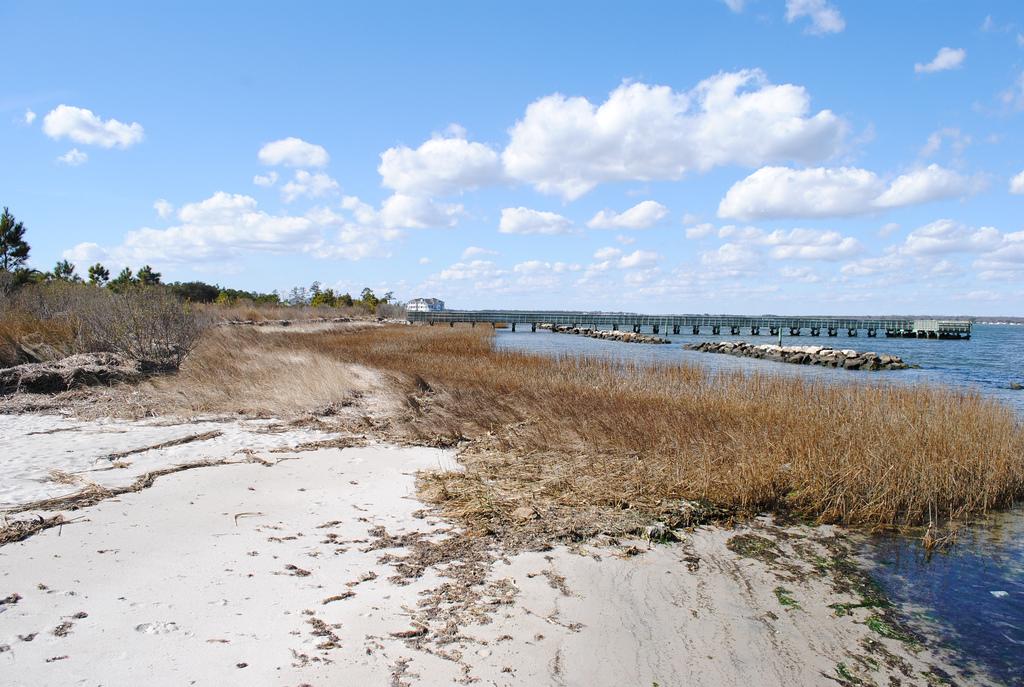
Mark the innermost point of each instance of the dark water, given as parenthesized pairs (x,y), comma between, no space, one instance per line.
(972,596)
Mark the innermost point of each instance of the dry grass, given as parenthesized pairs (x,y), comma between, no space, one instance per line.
(258,372)
(20,331)
(570,439)
(263,312)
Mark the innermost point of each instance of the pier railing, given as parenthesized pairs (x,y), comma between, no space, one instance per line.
(705,324)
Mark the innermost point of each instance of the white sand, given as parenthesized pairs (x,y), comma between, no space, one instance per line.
(32,445)
(185,582)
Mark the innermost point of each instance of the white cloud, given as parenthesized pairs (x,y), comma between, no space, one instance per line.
(86,251)
(82,126)
(947,236)
(824,17)
(625,240)
(483,275)
(308,184)
(700,231)
(474,269)
(472,251)
(924,185)
(778,192)
(869,267)
(794,244)
(535,266)
(888,229)
(399,211)
(30,117)
(218,227)
(945,268)
(800,274)
(735,5)
(225,226)
(414,212)
(164,208)
(424,261)
(607,253)
(990,25)
(731,231)
(522,220)
(730,256)
(220,208)
(440,166)
(73,158)
(1013,97)
(293,152)
(946,58)
(931,251)
(268,179)
(609,257)
(1017,184)
(568,145)
(958,141)
(641,216)
(810,244)
(639,259)
(1006,261)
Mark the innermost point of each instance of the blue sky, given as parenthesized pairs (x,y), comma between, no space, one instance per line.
(787,156)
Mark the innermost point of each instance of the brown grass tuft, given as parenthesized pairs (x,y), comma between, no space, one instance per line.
(25,338)
(259,372)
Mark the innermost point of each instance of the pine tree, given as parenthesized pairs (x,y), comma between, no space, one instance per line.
(65,271)
(147,276)
(123,281)
(99,275)
(13,248)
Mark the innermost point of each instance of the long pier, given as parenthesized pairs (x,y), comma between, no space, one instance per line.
(716,325)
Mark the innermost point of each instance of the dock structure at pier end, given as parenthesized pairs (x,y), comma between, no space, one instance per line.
(716,325)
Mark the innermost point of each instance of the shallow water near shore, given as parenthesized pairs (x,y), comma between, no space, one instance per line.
(970,597)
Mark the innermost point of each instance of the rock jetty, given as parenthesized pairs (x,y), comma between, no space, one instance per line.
(609,334)
(804,355)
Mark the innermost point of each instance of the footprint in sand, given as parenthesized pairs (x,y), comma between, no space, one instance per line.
(157,628)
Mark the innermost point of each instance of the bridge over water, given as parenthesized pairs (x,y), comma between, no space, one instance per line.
(705,324)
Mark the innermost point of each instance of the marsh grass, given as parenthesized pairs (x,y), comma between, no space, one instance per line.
(573,438)
(258,372)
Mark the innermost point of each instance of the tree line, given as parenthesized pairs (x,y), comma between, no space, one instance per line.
(15,251)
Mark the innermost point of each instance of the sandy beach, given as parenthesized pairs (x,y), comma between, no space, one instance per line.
(320,567)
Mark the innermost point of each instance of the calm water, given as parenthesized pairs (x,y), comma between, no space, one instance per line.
(971,597)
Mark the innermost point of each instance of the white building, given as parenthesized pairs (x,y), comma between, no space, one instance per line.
(424,305)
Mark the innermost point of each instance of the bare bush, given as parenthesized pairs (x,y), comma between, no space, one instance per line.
(8,282)
(391,311)
(51,320)
(150,325)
